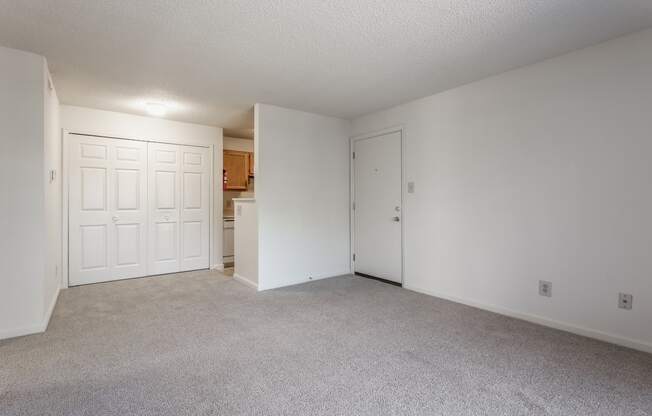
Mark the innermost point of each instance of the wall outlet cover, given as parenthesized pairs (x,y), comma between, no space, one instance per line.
(545,288)
(625,301)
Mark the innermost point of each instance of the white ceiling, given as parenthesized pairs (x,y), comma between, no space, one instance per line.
(212,60)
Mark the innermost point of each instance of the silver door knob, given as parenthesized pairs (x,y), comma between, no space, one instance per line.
(396,219)
(115,219)
(166,218)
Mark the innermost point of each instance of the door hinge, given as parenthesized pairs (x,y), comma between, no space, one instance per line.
(353,256)
(354,155)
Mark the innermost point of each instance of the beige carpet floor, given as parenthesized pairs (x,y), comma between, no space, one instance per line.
(203,344)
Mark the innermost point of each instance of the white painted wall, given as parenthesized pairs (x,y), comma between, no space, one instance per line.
(246,242)
(28,210)
(543,172)
(302,192)
(120,125)
(89,120)
(53,193)
(241,145)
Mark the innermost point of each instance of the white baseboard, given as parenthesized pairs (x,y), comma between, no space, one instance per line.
(245,281)
(48,315)
(551,323)
(315,277)
(36,328)
(219,267)
(19,332)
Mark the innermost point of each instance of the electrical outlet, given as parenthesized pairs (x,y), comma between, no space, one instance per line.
(625,301)
(410,187)
(545,288)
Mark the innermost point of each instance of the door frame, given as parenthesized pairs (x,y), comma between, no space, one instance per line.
(214,261)
(352,140)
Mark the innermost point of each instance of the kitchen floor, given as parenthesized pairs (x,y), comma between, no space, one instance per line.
(201,343)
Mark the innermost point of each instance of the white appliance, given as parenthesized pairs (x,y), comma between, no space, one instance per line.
(228,240)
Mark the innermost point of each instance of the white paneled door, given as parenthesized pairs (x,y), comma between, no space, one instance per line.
(377,172)
(179,196)
(107,209)
(136,208)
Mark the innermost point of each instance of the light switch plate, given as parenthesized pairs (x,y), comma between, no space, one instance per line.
(410,187)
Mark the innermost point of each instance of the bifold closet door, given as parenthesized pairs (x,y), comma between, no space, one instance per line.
(107,209)
(179,191)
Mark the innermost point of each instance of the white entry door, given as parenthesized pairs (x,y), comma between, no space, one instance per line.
(377,210)
(179,196)
(107,209)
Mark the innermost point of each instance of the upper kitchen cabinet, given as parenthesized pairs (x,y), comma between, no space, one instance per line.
(236,165)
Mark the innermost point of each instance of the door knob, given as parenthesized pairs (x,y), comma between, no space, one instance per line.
(115,219)
(167,218)
(396,219)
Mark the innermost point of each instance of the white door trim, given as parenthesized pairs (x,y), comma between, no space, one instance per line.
(395,129)
(215,260)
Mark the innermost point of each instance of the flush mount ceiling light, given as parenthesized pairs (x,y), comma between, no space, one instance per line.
(156,109)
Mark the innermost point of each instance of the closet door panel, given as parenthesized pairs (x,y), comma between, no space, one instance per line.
(107,209)
(164,198)
(129,208)
(195,209)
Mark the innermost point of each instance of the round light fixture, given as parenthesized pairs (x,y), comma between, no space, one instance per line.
(156,109)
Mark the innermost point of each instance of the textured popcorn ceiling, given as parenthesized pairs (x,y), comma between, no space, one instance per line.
(212,60)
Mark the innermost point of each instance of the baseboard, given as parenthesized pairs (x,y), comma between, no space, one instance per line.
(219,267)
(22,331)
(36,328)
(551,323)
(48,314)
(314,278)
(245,281)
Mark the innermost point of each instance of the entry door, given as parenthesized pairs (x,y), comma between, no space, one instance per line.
(179,191)
(107,209)
(377,209)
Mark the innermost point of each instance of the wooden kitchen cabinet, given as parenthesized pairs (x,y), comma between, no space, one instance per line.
(251,164)
(236,165)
